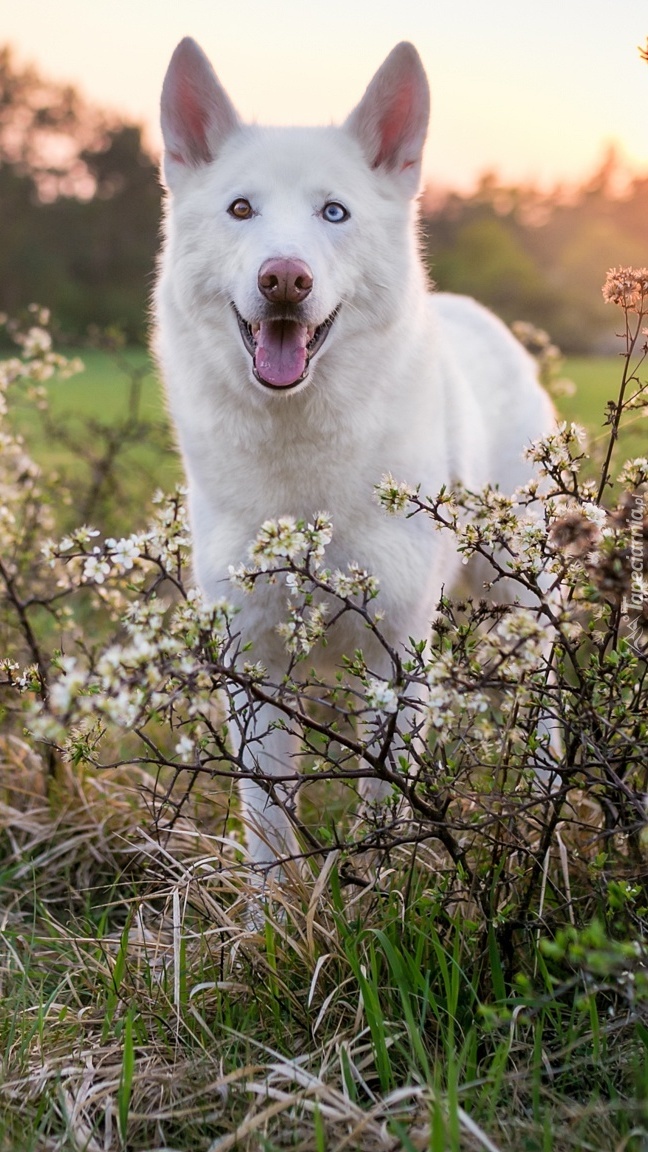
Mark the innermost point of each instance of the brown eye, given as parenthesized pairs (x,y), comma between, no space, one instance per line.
(241,209)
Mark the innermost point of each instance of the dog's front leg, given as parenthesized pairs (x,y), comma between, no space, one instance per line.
(402,752)
(266,751)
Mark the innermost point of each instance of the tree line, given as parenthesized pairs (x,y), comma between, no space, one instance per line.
(80,203)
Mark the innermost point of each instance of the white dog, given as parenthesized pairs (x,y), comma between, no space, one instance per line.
(304,357)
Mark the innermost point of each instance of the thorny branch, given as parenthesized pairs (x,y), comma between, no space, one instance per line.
(117,660)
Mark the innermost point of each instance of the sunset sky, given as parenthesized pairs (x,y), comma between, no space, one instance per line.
(535,91)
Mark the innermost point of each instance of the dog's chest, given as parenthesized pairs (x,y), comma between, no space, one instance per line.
(406,556)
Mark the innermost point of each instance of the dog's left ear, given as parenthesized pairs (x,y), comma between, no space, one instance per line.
(391,119)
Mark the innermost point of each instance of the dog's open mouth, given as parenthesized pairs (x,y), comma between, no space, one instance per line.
(282,349)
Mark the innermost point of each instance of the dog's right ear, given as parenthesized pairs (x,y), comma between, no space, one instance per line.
(196,112)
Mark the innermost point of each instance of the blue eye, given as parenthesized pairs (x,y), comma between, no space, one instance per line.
(335,213)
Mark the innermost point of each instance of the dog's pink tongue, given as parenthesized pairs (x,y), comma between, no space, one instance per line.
(280,357)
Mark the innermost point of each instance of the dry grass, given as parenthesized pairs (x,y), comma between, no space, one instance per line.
(144,1010)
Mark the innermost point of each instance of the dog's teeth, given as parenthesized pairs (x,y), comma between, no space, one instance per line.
(254,328)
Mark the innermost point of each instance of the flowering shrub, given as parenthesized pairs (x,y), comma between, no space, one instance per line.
(107,643)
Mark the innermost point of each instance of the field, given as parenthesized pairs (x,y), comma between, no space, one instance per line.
(113,409)
(113,383)
(102,390)
(112,386)
(145,1009)
(597,381)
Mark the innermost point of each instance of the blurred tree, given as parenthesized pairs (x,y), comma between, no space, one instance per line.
(542,257)
(44,128)
(109,242)
(79,205)
(487,260)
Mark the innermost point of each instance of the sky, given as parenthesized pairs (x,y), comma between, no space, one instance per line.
(535,91)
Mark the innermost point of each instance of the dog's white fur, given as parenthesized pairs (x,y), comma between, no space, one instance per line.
(429,387)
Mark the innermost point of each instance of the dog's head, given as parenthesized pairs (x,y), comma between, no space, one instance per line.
(285,233)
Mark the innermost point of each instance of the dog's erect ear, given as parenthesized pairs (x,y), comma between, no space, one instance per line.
(196,112)
(391,119)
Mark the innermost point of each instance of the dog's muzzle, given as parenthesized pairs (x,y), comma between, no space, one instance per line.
(282,347)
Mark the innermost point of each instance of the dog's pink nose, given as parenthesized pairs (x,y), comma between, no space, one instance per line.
(285,281)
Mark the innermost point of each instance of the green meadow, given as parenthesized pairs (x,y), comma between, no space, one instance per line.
(142,1009)
(111,388)
(115,386)
(597,380)
(104,432)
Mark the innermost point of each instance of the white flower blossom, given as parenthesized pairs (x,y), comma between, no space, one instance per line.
(393,496)
(39,312)
(294,583)
(83,535)
(35,342)
(595,513)
(355,581)
(634,472)
(304,628)
(67,686)
(96,569)
(124,552)
(558,450)
(185,749)
(380,696)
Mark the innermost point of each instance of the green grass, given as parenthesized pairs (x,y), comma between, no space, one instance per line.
(104,394)
(141,1010)
(597,380)
(107,433)
(112,411)
(101,390)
